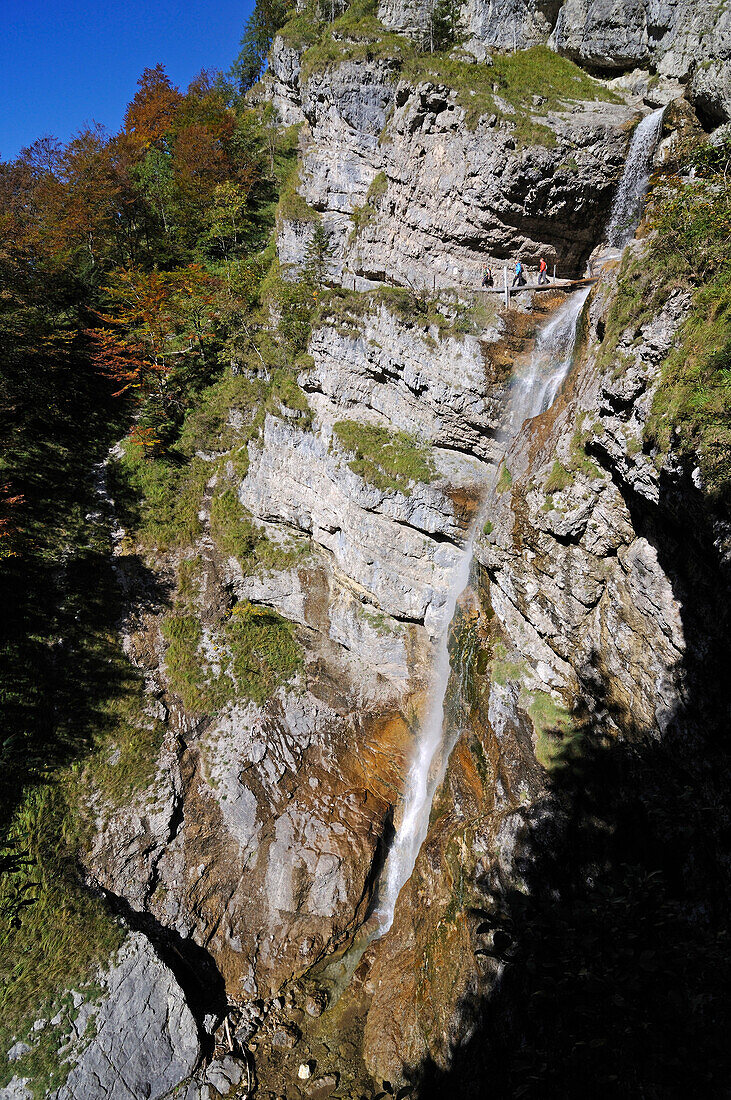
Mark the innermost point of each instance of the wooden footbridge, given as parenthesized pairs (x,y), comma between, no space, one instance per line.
(507,292)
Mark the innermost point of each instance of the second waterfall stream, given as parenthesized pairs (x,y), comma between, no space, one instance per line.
(534,392)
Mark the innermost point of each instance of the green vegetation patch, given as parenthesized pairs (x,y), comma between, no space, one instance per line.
(357,35)
(687,253)
(60,940)
(160,497)
(236,533)
(265,652)
(503,670)
(515,78)
(293,207)
(219,419)
(388,460)
(185,668)
(558,479)
(505,480)
(554,729)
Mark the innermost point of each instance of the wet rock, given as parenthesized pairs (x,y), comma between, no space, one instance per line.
(304,1071)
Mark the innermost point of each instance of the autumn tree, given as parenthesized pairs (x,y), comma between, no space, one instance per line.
(150,114)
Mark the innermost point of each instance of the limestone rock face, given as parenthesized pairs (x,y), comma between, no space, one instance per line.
(448,199)
(593,599)
(254,846)
(283,82)
(146,1039)
(674,38)
(671,38)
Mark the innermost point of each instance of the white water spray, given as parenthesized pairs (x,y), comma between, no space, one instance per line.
(533,393)
(628,202)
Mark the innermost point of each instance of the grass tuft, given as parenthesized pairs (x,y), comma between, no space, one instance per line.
(388,460)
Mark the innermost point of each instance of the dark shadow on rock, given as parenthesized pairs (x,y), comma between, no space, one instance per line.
(613,954)
(194,968)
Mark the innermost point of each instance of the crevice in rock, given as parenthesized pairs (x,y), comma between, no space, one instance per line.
(193,966)
(436,536)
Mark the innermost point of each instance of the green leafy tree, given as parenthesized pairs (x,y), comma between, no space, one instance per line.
(318,252)
(155,177)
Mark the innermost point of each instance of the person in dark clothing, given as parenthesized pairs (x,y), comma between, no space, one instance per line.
(519,279)
(542,272)
(487,277)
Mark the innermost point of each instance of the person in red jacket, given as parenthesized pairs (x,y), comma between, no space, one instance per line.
(542,272)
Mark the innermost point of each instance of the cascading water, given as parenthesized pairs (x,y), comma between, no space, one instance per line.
(533,393)
(628,202)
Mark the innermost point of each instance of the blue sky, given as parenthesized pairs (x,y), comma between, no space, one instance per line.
(66,62)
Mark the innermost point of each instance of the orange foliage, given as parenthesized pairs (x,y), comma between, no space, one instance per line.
(124,361)
(150,114)
(148,311)
(200,162)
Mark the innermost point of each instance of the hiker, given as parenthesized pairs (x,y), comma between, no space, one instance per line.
(542,272)
(487,278)
(519,279)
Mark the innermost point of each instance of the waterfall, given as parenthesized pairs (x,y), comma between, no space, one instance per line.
(533,393)
(628,202)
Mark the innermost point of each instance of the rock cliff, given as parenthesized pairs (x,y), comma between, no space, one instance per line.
(587,651)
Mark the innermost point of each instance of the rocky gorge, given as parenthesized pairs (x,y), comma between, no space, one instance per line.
(562,923)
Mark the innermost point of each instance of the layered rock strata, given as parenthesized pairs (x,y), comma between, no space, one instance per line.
(434,199)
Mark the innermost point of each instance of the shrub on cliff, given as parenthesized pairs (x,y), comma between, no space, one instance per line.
(690,249)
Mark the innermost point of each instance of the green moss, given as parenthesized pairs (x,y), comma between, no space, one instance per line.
(488,528)
(302,30)
(388,460)
(384,624)
(265,652)
(378,186)
(554,729)
(504,481)
(503,670)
